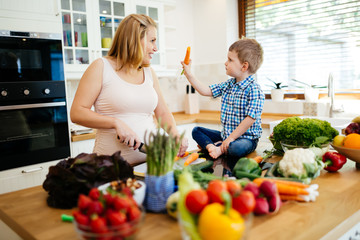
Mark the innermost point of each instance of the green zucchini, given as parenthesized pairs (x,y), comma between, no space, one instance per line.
(242,174)
(201,166)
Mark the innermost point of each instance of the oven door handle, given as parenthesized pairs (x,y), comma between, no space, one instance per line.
(35,105)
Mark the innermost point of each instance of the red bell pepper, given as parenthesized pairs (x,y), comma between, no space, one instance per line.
(333,161)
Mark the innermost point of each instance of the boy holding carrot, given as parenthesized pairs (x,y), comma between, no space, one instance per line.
(241,103)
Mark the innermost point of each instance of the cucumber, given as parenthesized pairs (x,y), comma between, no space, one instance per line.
(201,166)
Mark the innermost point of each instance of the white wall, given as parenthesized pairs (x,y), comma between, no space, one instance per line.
(209,27)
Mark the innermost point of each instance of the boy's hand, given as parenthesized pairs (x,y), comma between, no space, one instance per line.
(225,144)
(186,67)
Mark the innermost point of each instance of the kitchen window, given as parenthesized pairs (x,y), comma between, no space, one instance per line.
(305,40)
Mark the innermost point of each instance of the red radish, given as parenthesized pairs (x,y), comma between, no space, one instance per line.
(252,187)
(274,203)
(261,206)
(268,188)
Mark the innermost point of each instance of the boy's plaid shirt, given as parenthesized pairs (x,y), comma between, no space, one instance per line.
(239,100)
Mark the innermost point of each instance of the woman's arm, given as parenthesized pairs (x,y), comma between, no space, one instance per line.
(162,112)
(88,90)
(203,89)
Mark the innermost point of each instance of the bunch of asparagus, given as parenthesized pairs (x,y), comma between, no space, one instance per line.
(161,149)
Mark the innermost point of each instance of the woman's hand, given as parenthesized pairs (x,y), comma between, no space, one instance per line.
(126,135)
(183,146)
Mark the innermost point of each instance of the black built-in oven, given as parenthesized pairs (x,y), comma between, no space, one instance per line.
(33,110)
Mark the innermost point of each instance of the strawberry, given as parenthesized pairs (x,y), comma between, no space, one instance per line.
(83,202)
(121,203)
(116,218)
(95,207)
(109,199)
(98,225)
(80,218)
(133,213)
(127,191)
(94,194)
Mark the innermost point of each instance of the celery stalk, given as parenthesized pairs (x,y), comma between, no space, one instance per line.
(188,220)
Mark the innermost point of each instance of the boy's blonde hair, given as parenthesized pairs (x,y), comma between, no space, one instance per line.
(248,50)
(126,46)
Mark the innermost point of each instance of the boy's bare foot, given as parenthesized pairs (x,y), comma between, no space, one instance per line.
(214,151)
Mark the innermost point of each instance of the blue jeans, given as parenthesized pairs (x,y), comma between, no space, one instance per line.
(238,148)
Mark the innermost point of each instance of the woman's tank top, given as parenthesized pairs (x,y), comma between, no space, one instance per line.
(132,103)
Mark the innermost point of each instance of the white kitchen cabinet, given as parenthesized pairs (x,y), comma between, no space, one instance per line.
(24,177)
(85,146)
(89,27)
(30,16)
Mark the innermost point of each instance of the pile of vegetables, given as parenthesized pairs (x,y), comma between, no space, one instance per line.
(291,190)
(303,132)
(227,201)
(74,176)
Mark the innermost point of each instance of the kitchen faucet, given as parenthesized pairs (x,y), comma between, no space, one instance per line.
(331,94)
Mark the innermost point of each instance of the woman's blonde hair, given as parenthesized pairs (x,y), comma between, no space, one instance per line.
(248,50)
(126,46)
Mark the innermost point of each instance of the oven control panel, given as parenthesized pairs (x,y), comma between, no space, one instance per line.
(19,91)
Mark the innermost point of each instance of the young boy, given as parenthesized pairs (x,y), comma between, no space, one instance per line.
(241,103)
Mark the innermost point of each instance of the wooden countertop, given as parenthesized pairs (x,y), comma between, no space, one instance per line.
(212,117)
(26,212)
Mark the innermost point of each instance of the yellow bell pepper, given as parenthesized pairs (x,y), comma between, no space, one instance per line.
(215,223)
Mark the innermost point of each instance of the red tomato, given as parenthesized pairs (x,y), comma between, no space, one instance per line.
(196,200)
(215,189)
(244,203)
(233,188)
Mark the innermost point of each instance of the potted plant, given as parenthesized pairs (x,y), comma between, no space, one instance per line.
(277,92)
(311,91)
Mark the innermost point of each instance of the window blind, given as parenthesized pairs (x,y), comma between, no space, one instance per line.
(306,40)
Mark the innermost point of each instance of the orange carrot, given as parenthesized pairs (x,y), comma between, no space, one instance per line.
(290,190)
(184,155)
(291,198)
(258,181)
(191,158)
(187,56)
(258,159)
(284,188)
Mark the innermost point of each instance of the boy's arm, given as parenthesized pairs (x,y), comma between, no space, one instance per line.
(203,89)
(240,130)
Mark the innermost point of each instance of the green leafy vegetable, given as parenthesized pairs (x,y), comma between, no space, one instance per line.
(303,132)
(68,178)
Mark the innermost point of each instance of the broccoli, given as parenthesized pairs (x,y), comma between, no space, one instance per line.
(304,131)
